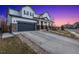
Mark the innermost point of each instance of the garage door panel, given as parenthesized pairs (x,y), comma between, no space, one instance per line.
(25,26)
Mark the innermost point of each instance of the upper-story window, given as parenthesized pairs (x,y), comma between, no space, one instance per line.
(26,13)
(31,14)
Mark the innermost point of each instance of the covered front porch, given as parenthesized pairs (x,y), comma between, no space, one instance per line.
(44,25)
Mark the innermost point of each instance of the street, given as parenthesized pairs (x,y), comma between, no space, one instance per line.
(53,43)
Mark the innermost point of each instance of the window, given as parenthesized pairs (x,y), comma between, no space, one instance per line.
(30,14)
(27,12)
(24,12)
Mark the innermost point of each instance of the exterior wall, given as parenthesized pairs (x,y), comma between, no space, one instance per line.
(13,12)
(36,16)
(9,20)
(14,27)
(11,24)
(46,15)
(27,12)
(15,19)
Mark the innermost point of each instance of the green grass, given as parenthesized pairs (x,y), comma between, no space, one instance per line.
(14,45)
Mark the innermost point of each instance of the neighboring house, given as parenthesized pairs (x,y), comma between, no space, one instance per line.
(69,26)
(76,25)
(27,20)
(73,26)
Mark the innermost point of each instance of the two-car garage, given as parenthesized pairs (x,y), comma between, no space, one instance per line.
(26,26)
(23,24)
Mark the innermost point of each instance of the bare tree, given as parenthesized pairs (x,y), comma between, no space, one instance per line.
(0,29)
(62,27)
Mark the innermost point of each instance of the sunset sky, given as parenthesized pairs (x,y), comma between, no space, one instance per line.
(61,14)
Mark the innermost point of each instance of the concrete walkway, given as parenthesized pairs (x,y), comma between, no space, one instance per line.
(6,35)
(53,43)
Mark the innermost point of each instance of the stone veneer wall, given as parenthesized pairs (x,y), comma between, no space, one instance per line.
(14,27)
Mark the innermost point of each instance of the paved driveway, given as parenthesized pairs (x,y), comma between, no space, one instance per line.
(53,43)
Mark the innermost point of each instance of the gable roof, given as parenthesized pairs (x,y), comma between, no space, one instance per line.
(28,7)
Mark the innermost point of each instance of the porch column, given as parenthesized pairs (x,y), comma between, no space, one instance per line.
(39,25)
(51,25)
(43,25)
(47,26)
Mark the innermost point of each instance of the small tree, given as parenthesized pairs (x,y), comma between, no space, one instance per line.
(4,27)
(62,27)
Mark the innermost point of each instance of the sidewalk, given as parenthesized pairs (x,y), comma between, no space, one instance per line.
(6,35)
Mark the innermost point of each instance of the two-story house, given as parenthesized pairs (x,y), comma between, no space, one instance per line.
(27,20)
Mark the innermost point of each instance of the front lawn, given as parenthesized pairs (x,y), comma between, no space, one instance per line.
(63,33)
(77,31)
(15,46)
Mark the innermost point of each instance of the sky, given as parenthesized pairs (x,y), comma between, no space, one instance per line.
(60,14)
